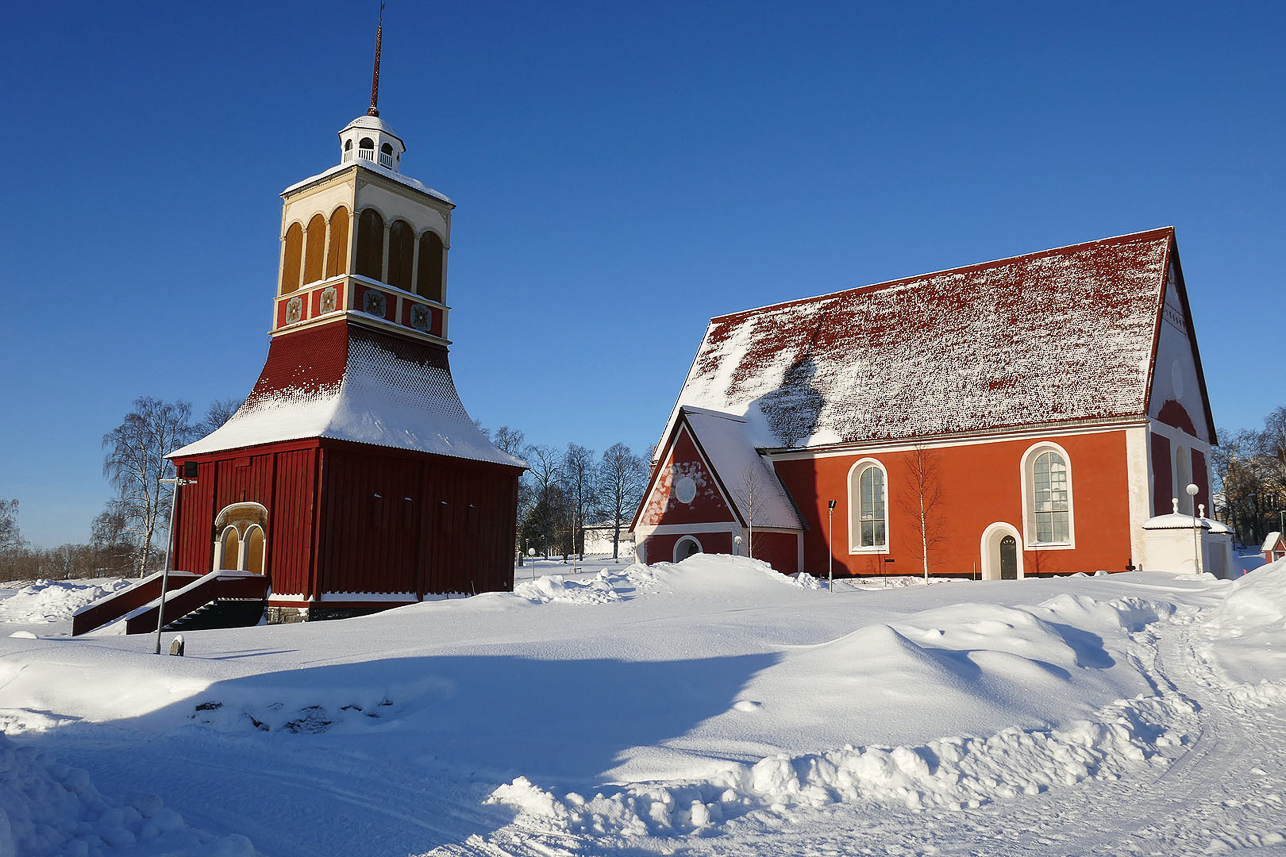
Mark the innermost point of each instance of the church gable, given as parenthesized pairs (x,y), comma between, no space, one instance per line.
(1178,394)
(684,489)
(1057,336)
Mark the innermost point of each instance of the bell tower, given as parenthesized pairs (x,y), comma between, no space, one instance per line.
(370,484)
(363,243)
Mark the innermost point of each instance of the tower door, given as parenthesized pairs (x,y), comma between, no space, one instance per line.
(1008,558)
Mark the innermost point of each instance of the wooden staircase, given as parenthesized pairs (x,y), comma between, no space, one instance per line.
(220,599)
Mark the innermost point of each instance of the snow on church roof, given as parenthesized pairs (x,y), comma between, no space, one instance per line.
(1060,335)
(383,399)
(724,440)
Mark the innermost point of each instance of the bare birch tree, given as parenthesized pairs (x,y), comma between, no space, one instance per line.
(622,476)
(748,495)
(578,481)
(219,412)
(921,499)
(10,536)
(135,464)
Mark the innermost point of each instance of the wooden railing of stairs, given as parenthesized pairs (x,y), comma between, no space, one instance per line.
(139,605)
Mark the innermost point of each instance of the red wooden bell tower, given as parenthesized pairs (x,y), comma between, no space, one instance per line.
(352,476)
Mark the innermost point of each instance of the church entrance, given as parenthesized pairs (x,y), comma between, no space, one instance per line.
(1008,558)
(686,547)
(999,554)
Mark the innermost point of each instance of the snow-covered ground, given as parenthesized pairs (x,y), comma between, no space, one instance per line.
(709,707)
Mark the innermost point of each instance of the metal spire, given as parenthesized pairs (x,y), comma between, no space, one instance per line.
(374,109)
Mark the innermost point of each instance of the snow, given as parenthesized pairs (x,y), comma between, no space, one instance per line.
(48,601)
(382,400)
(375,168)
(1061,335)
(707,707)
(723,437)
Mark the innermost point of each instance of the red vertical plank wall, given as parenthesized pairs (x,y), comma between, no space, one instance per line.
(290,527)
(194,546)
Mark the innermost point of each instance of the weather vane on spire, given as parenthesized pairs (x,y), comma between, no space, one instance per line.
(374,109)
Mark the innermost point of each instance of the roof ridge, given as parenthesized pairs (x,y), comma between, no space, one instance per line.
(1146,234)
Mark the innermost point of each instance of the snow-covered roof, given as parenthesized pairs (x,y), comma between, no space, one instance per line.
(374,167)
(382,397)
(725,442)
(1270,543)
(1061,335)
(371,123)
(1178,521)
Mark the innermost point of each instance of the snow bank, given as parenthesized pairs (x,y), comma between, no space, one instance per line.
(48,601)
(606,586)
(1246,632)
(952,773)
(48,808)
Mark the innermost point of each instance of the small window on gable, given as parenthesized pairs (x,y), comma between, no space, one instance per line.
(868,507)
(1047,501)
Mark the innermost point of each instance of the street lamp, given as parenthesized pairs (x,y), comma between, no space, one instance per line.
(1196,551)
(178,482)
(736,540)
(830,545)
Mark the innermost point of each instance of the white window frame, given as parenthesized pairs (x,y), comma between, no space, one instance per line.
(855,546)
(1028,482)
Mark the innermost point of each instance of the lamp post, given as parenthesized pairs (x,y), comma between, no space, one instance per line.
(1196,550)
(736,540)
(531,552)
(178,482)
(830,545)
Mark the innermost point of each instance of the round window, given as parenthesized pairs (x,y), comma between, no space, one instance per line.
(685,490)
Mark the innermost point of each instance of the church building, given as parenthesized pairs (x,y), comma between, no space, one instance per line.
(1010,419)
(352,477)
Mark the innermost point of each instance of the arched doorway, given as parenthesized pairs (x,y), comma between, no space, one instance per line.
(1000,553)
(242,538)
(686,547)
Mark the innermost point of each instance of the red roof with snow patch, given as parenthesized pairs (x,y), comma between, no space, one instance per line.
(1055,336)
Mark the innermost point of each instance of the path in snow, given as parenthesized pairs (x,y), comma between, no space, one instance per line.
(1225,792)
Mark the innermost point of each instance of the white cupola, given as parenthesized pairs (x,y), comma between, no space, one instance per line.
(369,138)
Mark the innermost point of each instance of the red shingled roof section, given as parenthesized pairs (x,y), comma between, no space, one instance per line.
(1059,335)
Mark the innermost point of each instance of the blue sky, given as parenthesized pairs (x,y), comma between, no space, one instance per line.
(623,172)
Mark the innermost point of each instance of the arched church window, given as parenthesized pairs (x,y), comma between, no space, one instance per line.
(386,155)
(370,244)
(315,251)
(401,253)
(337,254)
(291,258)
(868,507)
(1047,488)
(366,149)
(348,150)
(428,277)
